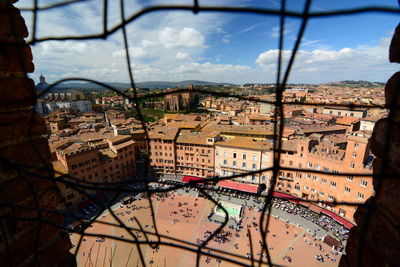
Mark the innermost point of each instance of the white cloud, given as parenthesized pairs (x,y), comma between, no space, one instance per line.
(135,52)
(320,65)
(182,55)
(188,37)
(148,43)
(64,47)
(226,39)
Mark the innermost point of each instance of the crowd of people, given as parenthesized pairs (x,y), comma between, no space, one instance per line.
(323,221)
(183,211)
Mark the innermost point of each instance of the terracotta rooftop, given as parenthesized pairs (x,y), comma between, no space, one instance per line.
(259,117)
(322,129)
(163,132)
(188,137)
(243,129)
(375,118)
(244,142)
(124,144)
(345,120)
(184,124)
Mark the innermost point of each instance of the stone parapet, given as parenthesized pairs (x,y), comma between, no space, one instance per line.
(30,227)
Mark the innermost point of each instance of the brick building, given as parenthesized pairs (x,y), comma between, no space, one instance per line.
(106,161)
(195,153)
(179,101)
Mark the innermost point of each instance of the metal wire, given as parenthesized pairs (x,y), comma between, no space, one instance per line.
(83,186)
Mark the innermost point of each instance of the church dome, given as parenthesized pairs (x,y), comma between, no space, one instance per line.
(42,85)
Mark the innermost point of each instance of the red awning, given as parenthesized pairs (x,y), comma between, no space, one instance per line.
(315,208)
(239,186)
(90,201)
(188,179)
(339,219)
(305,203)
(286,196)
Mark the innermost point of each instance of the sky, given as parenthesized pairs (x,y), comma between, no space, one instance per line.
(213,46)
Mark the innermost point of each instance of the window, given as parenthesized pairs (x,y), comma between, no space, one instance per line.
(331,197)
(349,178)
(244,156)
(253,178)
(234,163)
(339,113)
(309,165)
(354,155)
(265,158)
(225,162)
(333,183)
(282,161)
(216,152)
(342,212)
(290,163)
(313,190)
(317,167)
(363,183)
(297,187)
(360,195)
(234,155)
(244,165)
(254,157)
(325,169)
(323,180)
(263,178)
(355,145)
(321,193)
(254,166)
(315,178)
(224,154)
(351,114)
(306,187)
(352,165)
(347,190)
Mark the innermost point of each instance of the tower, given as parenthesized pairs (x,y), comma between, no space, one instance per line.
(42,79)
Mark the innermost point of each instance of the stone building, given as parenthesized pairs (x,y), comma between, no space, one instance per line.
(27,241)
(62,100)
(240,155)
(180,101)
(195,153)
(99,161)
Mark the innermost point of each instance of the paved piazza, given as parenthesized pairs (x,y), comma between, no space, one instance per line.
(184,217)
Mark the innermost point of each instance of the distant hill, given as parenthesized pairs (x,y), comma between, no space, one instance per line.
(149,84)
(350,83)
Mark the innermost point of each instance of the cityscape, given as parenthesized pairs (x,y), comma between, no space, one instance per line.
(192,138)
(194,133)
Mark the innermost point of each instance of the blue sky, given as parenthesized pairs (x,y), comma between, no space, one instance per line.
(220,47)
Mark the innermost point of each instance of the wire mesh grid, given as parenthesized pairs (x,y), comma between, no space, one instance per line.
(80,185)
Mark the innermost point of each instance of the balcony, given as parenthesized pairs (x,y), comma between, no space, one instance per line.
(226,167)
(285,178)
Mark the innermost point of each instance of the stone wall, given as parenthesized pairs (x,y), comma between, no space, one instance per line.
(28,194)
(376,241)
